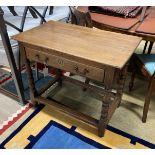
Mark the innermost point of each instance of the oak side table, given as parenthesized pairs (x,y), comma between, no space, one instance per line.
(95,54)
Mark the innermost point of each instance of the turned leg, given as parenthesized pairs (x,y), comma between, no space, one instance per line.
(150,47)
(33,92)
(133,69)
(131,83)
(86,82)
(147,100)
(59,74)
(103,118)
(145,47)
(108,82)
(121,83)
(36,71)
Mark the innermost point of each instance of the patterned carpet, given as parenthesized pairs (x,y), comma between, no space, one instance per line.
(9,85)
(46,128)
(10,112)
(4,75)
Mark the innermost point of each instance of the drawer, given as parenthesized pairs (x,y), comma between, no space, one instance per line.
(65,64)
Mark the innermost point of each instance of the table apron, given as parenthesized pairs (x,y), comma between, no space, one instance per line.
(66,64)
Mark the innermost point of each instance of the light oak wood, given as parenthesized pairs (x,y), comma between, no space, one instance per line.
(63,108)
(82,43)
(95,54)
(68,65)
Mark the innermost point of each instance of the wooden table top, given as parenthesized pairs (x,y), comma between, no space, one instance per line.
(97,46)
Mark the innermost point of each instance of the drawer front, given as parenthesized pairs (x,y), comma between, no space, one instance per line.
(66,64)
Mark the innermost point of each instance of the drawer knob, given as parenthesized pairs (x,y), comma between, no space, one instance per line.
(76,69)
(85,71)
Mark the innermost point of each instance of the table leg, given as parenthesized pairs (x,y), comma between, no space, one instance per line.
(86,82)
(150,47)
(59,74)
(145,47)
(33,92)
(108,82)
(121,83)
(36,71)
(103,118)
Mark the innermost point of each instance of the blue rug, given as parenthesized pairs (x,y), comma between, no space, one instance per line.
(56,136)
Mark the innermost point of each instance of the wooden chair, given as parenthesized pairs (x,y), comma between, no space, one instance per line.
(145,63)
(149,48)
(80,18)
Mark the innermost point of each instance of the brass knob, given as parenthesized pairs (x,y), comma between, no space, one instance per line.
(76,68)
(86,71)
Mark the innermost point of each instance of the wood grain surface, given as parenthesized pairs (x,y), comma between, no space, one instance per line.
(98,46)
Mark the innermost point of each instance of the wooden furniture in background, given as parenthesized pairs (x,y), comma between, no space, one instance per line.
(98,22)
(83,51)
(145,63)
(80,18)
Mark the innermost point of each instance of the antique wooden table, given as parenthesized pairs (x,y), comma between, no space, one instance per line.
(95,54)
(99,23)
